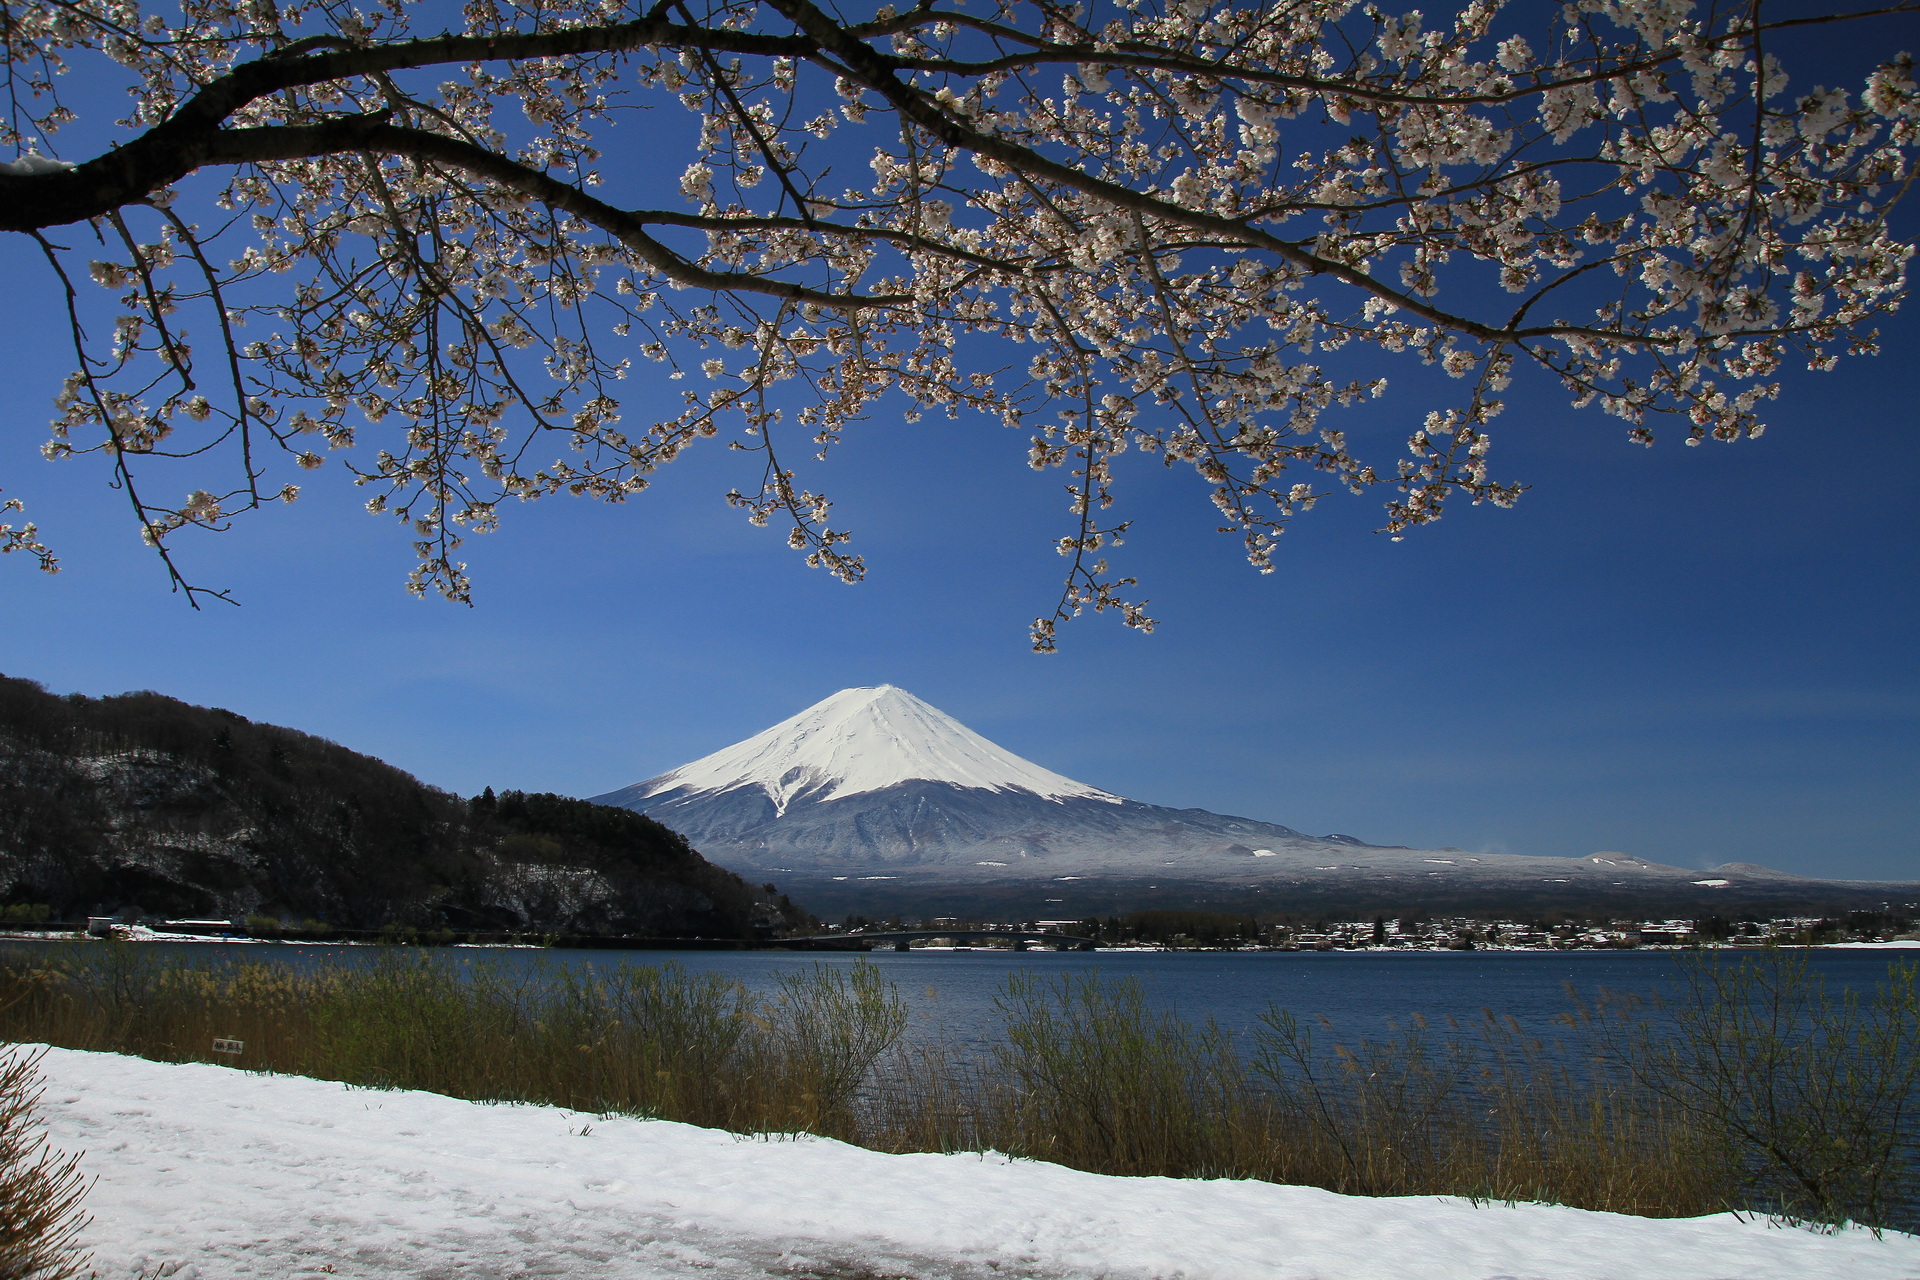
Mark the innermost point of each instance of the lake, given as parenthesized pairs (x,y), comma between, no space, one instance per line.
(1360,993)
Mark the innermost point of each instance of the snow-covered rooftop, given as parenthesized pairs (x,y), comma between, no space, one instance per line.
(864,740)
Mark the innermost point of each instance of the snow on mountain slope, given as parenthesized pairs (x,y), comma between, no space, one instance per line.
(856,741)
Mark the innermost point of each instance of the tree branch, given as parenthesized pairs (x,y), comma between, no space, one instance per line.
(872,70)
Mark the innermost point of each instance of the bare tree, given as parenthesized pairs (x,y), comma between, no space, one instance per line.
(318,224)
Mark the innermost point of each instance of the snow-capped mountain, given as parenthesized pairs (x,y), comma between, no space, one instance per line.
(874,785)
(875,779)
(859,741)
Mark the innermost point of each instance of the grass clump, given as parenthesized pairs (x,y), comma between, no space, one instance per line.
(1808,1100)
(637,1040)
(1752,1088)
(1090,1075)
(1095,1078)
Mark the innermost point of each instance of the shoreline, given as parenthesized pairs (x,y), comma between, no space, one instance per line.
(141,934)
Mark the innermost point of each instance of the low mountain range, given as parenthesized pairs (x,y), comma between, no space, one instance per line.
(145,804)
(872,801)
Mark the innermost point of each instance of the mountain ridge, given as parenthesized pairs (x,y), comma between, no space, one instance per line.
(143,803)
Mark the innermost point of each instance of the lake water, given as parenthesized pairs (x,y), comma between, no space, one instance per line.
(1361,994)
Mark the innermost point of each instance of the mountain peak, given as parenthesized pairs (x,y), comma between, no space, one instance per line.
(861,740)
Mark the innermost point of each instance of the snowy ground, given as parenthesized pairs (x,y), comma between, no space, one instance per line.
(125,932)
(1898,944)
(206,1172)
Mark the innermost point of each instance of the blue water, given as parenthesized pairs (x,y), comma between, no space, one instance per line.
(1358,994)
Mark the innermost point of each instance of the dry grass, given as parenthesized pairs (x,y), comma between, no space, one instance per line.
(1811,1098)
(40,1189)
(1752,1089)
(1732,1098)
(652,1041)
(1089,1075)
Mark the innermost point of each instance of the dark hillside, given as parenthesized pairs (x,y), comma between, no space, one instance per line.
(644,874)
(144,803)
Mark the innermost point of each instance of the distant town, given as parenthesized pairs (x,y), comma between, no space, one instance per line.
(1204,931)
(1154,930)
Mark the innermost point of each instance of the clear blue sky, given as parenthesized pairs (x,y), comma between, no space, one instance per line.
(1694,655)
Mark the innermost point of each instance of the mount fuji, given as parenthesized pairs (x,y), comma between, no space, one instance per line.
(874,799)
(876,780)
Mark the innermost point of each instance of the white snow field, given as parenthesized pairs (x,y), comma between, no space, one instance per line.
(207,1172)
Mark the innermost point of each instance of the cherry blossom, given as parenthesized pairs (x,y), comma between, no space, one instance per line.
(387,237)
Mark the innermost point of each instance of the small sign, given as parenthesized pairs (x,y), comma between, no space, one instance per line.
(229,1046)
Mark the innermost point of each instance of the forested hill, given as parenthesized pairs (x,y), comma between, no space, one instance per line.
(145,802)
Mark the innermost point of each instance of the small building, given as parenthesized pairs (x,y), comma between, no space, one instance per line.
(200,926)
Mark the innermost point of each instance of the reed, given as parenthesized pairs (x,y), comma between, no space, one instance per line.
(635,1040)
(1754,1089)
(1089,1075)
(1811,1097)
(1484,1111)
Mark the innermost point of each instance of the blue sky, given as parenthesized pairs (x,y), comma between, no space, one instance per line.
(1694,655)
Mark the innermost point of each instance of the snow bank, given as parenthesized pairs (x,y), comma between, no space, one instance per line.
(207,1172)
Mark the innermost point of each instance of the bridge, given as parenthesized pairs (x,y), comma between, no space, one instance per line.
(903,938)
